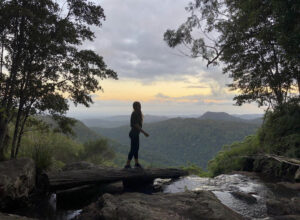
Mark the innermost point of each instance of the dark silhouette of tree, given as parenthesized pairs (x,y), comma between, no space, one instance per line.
(258,41)
(41,64)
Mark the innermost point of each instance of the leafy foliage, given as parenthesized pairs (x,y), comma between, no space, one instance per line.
(49,149)
(280,134)
(41,66)
(258,41)
(52,150)
(77,130)
(232,157)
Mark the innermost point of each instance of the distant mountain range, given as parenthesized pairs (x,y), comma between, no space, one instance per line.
(180,141)
(121,120)
(227,117)
(117,121)
(249,116)
(172,142)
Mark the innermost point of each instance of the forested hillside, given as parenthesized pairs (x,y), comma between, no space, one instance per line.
(223,116)
(80,131)
(117,121)
(181,141)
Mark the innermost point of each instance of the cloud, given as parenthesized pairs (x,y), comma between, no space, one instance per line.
(226,99)
(131,41)
(196,87)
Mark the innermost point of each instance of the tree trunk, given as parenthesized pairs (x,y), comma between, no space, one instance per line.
(3,138)
(16,132)
(73,178)
(21,134)
(1,58)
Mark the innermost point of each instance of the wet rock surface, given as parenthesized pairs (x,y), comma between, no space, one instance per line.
(247,197)
(282,207)
(17,180)
(244,192)
(135,206)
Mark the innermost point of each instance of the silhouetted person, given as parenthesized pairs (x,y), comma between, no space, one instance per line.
(136,122)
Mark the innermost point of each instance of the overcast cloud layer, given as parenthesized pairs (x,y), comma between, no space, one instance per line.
(131,42)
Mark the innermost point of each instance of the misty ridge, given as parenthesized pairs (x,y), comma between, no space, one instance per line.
(120,120)
(178,141)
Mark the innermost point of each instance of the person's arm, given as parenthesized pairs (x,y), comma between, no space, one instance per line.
(137,126)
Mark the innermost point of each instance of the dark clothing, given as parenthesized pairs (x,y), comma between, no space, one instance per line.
(134,149)
(134,135)
(135,119)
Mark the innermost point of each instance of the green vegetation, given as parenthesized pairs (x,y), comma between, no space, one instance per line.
(52,150)
(83,133)
(43,69)
(193,169)
(232,157)
(49,150)
(78,130)
(280,134)
(97,152)
(178,142)
(256,41)
(258,44)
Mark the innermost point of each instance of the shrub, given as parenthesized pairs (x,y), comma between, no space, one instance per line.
(97,152)
(279,134)
(233,157)
(49,150)
(194,169)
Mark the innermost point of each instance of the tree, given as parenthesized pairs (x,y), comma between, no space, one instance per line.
(258,41)
(43,66)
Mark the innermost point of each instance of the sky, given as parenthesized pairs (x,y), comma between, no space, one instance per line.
(165,82)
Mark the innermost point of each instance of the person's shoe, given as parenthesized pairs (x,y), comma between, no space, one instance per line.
(127,166)
(137,165)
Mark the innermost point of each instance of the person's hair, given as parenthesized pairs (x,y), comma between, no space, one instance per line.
(137,108)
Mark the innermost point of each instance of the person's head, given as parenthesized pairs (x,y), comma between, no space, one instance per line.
(138,108)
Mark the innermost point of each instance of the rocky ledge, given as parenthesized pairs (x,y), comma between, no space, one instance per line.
(17,180)
(133,206)
(275,167)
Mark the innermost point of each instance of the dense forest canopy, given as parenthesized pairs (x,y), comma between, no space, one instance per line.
(41,65)
(257,41)
(180,141)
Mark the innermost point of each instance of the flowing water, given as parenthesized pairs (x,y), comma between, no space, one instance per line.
(224,185)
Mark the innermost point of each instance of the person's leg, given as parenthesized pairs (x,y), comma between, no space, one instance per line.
(136,149)
(131,152)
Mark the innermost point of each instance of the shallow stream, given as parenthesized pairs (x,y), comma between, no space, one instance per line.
(223,186)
